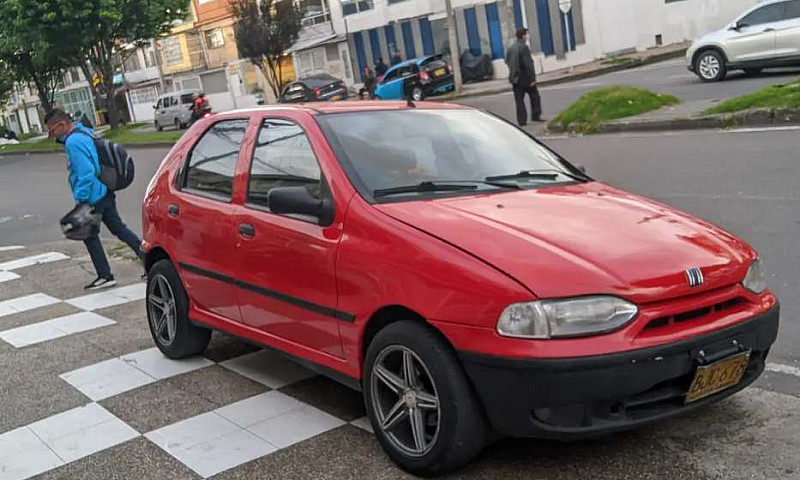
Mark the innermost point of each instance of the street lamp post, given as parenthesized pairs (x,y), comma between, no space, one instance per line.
(455,54)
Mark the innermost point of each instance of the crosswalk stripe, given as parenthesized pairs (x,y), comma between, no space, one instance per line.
(51,329)
(28,302)
(109,298)
(32,260)
(779,368)
(9,248)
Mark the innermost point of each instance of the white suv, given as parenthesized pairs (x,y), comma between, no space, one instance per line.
(767,35)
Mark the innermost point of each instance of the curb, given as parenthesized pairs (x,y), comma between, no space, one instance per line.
(749,118)
(632,63)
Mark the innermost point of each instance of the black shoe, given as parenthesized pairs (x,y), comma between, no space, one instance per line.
(539,119)
(100,283)
(523,124)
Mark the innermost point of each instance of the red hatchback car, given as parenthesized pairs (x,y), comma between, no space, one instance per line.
(468,280)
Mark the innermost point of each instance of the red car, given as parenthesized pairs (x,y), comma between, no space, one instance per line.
(466,278)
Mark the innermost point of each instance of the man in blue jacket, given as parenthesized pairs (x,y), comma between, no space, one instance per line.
(84,180)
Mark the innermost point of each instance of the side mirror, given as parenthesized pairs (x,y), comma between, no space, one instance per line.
(298,201)
(581,169)
(155,107)
(736,26)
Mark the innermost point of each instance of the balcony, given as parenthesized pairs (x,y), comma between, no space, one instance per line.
(141,75)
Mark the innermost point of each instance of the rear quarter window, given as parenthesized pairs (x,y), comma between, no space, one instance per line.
(212,163)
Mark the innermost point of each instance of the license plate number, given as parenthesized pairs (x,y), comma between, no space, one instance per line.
(722,374)
(438,72)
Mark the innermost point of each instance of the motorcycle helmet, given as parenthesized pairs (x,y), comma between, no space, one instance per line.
(80,222)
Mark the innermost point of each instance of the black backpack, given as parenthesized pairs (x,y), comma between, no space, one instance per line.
(116,164)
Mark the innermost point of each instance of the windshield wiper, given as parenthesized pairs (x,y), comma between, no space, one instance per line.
(442,186)
(549,174)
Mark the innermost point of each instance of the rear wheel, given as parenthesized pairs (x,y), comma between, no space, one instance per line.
(168,314)
(178,124)
(420,403)
(417,95)
(159,127)
(710,66)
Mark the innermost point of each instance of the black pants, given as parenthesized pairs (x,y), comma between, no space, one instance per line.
(108,208)
(536,102)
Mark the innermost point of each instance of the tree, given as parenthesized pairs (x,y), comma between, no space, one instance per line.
(27,50)
(102,27)
(264,31)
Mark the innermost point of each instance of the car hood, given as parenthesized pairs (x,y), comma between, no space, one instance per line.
(583,239)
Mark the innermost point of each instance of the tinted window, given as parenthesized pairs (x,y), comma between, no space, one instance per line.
(792,9)
(320,81)
(391,75)
(158,105)
(767,14)
(187,98)
(282,158)
(212,162)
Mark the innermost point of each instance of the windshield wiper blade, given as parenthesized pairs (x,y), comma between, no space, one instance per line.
(423,187)
(533,174)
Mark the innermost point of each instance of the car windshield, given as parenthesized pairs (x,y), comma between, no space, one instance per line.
(385,151)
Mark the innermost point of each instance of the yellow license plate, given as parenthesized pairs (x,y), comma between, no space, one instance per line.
(722,374)
(438,72)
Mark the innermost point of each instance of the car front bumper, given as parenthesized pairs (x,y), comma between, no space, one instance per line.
(573,398)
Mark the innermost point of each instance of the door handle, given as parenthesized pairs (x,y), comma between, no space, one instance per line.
(769,30)
(173,210)
(247,230)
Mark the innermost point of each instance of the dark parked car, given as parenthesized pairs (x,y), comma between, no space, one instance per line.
(316,88)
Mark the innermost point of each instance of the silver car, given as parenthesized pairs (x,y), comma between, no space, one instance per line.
(174,108)
(767,35)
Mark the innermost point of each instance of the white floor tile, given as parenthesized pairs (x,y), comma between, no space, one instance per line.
(52,329)
(268,368)
(220,454)
(295,426)
(109,298)
(155,364)
(82,431)
(363,423)
(23,455)
(106,379)
(259,408)
(192,431)
(7,276)
(33,260)
(9,248)
(28,302)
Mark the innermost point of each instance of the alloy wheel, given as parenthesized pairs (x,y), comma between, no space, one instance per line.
(709,67)
(416,94)
(405,401)
(162,312)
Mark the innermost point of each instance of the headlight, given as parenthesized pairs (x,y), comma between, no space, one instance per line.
(565,318)
(754,280)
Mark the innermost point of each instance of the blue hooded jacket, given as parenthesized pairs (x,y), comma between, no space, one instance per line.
(84,166)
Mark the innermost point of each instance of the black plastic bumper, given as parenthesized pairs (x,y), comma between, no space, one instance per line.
(575,398)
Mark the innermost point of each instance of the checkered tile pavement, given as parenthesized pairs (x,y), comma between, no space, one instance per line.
(209,414)
(84,395)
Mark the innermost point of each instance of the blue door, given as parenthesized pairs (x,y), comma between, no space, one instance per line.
(391,88)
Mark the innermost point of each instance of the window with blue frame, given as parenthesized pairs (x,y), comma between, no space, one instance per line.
(350,7)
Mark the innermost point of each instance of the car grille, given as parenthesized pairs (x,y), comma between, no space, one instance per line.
(696,313)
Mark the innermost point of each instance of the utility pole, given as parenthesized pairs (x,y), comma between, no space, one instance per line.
(455,53)
(157,55)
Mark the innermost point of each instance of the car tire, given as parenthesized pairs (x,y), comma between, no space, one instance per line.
(158,126)
(168,314)
(178,124)
(752,72)
(709,65)
(417,94)
(453,427)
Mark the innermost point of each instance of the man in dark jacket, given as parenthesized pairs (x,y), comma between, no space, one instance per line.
(380,68)
(83,163)
(522,75)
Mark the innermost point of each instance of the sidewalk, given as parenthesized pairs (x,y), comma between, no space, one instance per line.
(572,74)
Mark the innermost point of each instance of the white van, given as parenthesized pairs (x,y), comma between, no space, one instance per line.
(174,108)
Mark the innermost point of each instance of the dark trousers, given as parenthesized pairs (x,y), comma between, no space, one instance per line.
(519,99)
(108,208)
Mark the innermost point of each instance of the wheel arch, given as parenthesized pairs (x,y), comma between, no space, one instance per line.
(705,48)
(155,254)
(387,315)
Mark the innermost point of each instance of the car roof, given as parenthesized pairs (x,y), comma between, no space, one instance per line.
(323,108)
(413,61)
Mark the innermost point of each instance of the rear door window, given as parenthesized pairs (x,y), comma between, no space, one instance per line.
(187,98)
(792,9)
(212,163)
(765,14)
(282,158)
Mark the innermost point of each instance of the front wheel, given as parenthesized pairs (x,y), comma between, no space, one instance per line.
(158,126)
(420,403)
(417,95)
(168,314)
(710,66)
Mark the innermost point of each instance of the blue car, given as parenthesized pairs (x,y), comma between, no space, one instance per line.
(416,79)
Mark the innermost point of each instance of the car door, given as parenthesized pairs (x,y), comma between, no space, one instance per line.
(754,40)
(391,88)
(287,269)
(200,219)
(160,111)
(787,32)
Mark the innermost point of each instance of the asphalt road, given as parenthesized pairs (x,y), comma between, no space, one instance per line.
(669,77)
